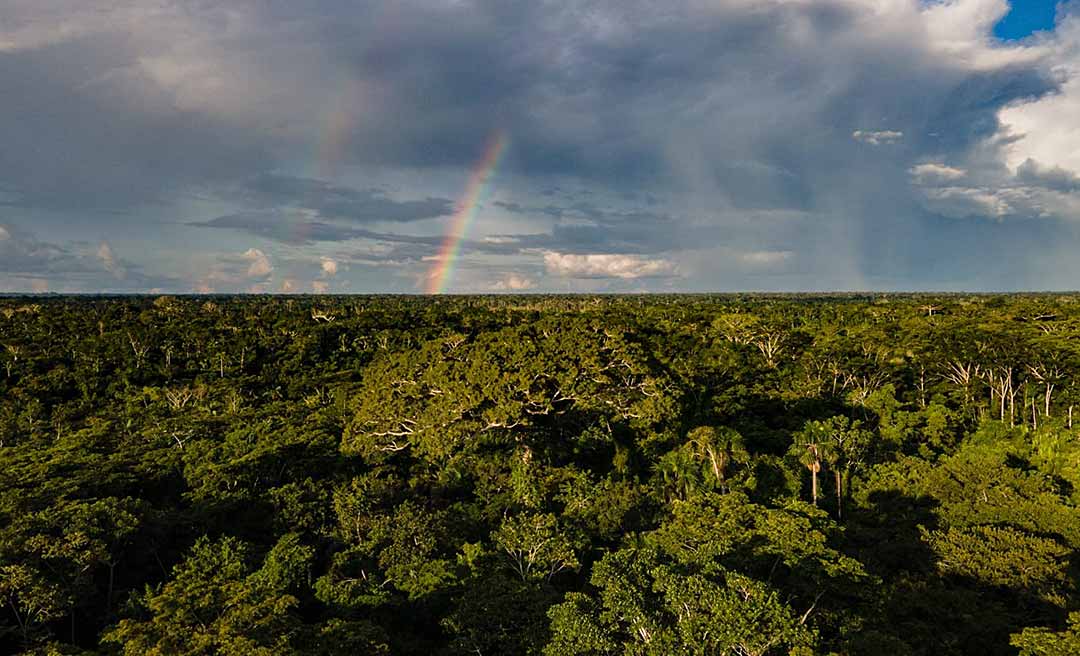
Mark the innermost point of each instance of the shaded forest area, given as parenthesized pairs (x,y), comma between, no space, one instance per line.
(656,475)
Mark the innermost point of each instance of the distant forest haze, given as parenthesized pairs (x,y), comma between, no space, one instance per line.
(561,475)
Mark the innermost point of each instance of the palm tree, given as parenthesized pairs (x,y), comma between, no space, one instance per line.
(810,451)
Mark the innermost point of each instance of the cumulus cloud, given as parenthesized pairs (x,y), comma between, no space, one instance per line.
(1047,129)
(320,286)
(250,270)
(570,265)
(960,32)
(260,266)
(329,267)
(1031,192)
(109,261)
(513,282)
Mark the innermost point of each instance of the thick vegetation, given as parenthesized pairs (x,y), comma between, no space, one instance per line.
(540,475)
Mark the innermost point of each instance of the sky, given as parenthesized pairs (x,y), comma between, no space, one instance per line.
(505,146)
(1026,17)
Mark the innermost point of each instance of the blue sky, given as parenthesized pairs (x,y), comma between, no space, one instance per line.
(251,146)
(1026,17)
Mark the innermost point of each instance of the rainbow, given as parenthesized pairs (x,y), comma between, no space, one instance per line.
(442,269)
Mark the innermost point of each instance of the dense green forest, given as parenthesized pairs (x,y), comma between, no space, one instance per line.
(559,475)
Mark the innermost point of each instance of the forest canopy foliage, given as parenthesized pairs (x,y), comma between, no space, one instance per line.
(557,475)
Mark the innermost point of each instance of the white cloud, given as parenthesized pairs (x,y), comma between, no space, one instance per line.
(329,267)
(109,261)
(935,173)
(960,31)
(877,137)
(513,282)
(320,286)
(627,267)
(260,266)
(1047,130)
(230,272)
(4,234)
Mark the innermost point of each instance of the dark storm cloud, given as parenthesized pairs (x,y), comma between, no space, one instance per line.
(754,97)
(291,228)
(336,201)
(287,228)
(304,211)
(283,226)
(607,231)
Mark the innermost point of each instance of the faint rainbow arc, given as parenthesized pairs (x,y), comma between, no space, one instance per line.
(442,270)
